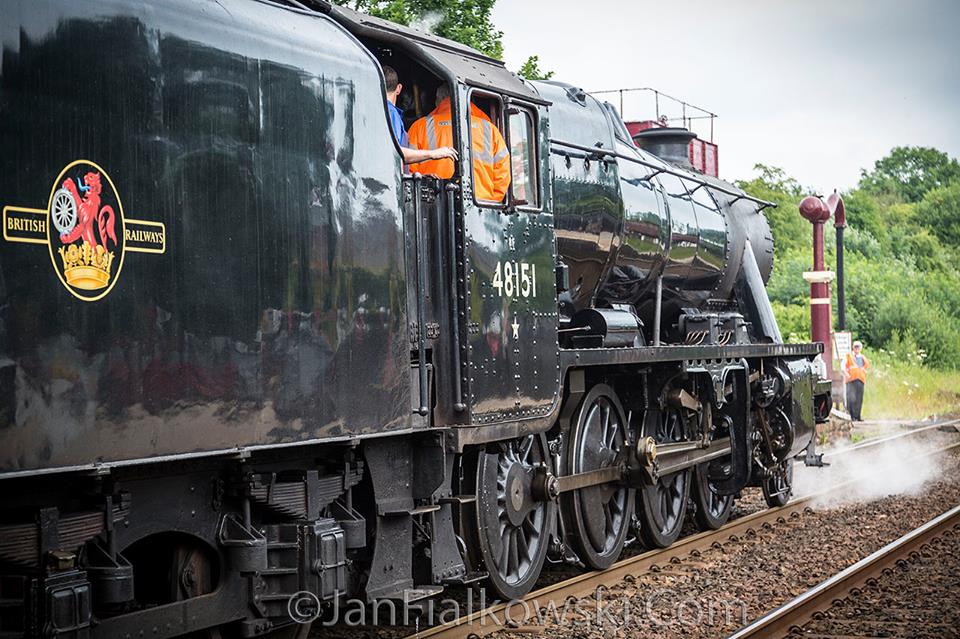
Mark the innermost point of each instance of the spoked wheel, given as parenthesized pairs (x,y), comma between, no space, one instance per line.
(512,526)
(778,487)
(64,211)
(712,510)
(597,517)
(662,506)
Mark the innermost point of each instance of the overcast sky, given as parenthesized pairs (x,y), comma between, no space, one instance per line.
(819,88)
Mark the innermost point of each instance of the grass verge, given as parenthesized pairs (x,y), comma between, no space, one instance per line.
(904,389)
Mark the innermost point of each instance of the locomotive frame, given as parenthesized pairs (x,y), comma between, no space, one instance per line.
(331,356)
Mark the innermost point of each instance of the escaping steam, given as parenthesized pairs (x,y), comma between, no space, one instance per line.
(900,466)
(428,22)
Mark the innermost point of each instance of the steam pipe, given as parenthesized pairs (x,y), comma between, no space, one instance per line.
(835,204)
(753,294)
(657,308)
(841,305)
(817,212)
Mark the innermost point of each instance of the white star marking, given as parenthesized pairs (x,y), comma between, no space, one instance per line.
(516,328)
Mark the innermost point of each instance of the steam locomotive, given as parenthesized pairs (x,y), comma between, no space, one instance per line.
(245,355)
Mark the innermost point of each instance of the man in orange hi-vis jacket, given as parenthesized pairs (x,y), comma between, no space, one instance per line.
(855,368)
(491,159)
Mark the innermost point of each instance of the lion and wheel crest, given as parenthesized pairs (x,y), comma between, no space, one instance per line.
(76,209)
(84,230)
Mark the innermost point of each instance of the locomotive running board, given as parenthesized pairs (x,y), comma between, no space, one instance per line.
(572,358)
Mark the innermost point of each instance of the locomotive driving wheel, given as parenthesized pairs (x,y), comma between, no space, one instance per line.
(597,518)
(662,506)
(712,509)
(511,527)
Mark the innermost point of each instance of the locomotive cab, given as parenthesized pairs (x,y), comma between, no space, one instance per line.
(475,254)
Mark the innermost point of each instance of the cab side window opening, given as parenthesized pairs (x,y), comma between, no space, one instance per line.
(489,155)
(523,159)
(490,105)
(420,98)
(419,85)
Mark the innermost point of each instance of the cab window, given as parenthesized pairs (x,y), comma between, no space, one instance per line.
(523,159)
(488,150)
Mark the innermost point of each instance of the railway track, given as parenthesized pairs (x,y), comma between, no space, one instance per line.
(910,432)
(516,615)
(795,614)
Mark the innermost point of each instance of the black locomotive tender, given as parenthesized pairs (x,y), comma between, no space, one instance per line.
(318,373)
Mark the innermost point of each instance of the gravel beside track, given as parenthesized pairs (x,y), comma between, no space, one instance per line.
(908,588)
(919,598)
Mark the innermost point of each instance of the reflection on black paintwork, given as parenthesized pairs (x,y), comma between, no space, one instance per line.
(621,225)
(588,210)
(645,239)
(267,312)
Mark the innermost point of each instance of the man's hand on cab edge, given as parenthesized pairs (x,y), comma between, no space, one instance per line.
(444,152)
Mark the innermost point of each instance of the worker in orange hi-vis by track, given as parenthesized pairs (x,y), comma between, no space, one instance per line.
(491,159)
(855,371)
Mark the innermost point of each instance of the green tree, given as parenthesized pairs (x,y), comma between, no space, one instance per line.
(865,213)
(393,10)
(903,280)
(466,21)
(794,321)
(909,172)
(939,212)
(790,230)
(531,70)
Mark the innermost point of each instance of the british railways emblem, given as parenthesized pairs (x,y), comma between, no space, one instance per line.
(85,230)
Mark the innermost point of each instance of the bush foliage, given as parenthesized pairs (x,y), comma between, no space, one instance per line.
(902,251)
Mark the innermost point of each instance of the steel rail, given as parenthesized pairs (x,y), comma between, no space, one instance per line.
(910,432)
(800,611)
(498,617)
(955,423)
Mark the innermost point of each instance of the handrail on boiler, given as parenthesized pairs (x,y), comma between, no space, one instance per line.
(599,152)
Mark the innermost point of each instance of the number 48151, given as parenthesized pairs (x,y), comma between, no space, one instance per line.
(516,278)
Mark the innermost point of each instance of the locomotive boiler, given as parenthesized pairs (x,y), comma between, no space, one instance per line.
(245,357)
